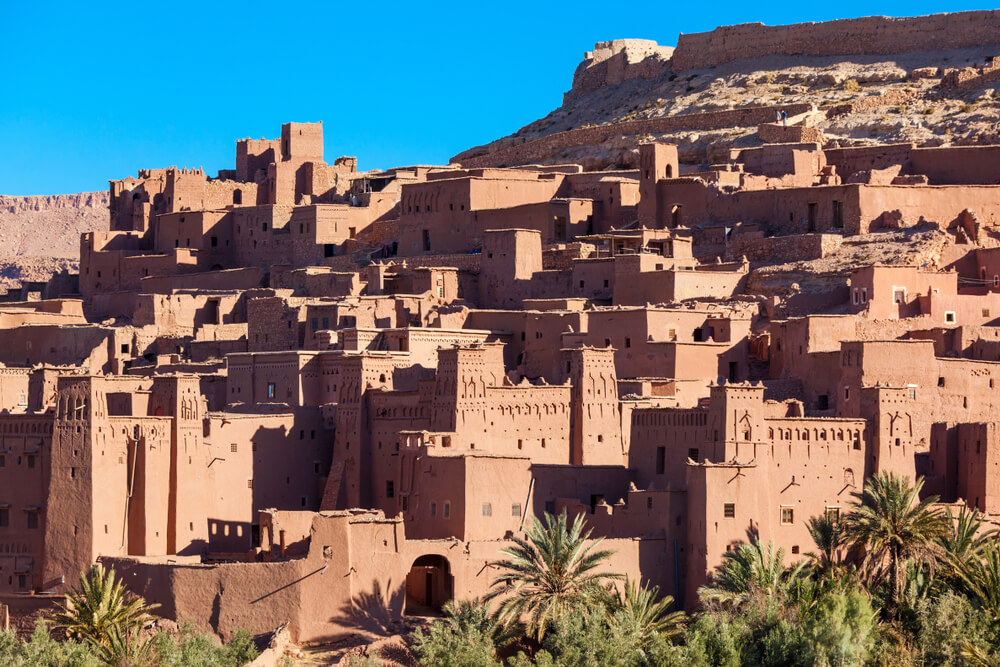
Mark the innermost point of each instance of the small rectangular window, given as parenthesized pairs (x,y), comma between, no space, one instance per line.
(233,447)
(270,389)
(4,517)
(390,489)
(434,509)
(729,510)
(32,519)
(833,513)
(661,460)
(515,510)
(487,509)
(31,461)
(694,454)
(447,510)
(787,516)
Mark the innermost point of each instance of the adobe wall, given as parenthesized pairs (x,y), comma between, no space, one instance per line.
(228,280)
(941,204)
(967,78)
(952,165)
(353,581)
(772,133)
(540,149)
(875,35)
(870,103)
(618,60)
(776,249)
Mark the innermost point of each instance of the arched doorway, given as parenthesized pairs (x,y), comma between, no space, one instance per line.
(429,585)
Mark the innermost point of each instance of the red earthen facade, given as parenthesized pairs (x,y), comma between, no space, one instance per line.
(297,390)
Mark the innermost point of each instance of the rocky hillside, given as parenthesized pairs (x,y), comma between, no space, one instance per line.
(931,98)
(40,236)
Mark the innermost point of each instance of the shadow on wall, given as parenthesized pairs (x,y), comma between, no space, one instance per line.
(378,613)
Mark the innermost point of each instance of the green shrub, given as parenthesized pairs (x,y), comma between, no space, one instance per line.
(457,642)
(851,86)
(944,624)
(43,651)
(359,661)
(191,647)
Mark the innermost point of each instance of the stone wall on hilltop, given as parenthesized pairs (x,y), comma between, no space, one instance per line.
(619,60)
(872,35)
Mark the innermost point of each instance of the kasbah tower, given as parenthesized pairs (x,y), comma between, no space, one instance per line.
(296,384)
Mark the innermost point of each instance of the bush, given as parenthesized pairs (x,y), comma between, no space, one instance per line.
(191,647)
(585,640)
(832,627)
(43,651)
(944,624)
(446,645)
(851,86)
(840,629)
(359,661)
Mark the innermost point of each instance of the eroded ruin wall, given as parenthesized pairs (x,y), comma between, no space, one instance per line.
(875,35)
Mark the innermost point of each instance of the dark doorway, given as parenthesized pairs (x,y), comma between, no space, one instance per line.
(676,216)
(813,210)
(429,585)
(559,228)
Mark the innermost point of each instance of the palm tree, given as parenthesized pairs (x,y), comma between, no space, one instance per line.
(978,657)
(638,613)
(828,534)
(895,526)
(965,540)
(101,613)
(748,571)
(981,577)
(551,572)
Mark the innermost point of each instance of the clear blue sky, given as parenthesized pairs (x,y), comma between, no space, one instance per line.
(91,92)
